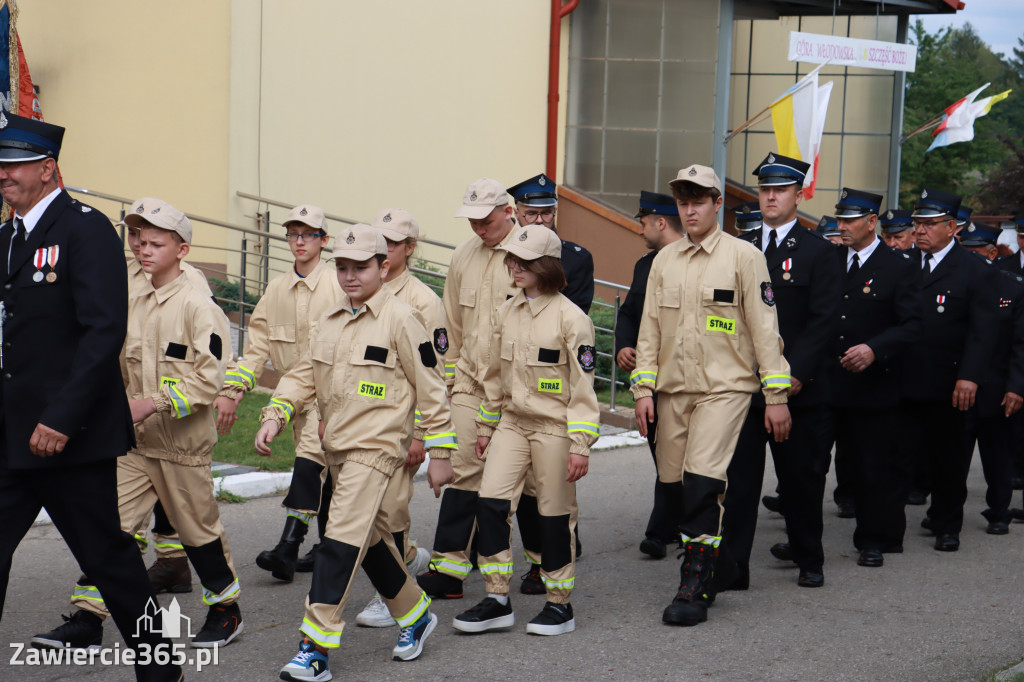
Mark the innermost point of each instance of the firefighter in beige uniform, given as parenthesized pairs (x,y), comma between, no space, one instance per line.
(540,413)
(369,363)
(174,361)
(478,284)
(708,332)
(401,231)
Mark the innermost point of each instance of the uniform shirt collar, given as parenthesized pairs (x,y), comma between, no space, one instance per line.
(536,305)
(780,233)
(937,257)
(313,278)
(708,244)
(169,289)
(398,283)
(374,304)
(508,237)
(31,219)
(863,254)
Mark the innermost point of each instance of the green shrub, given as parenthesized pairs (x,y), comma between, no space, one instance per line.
(226,294)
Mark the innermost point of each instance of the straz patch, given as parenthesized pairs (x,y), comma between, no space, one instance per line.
(767,293)
(721,324)
(372,390)
(441,340)
(549,385)
(587,357)
(168,381)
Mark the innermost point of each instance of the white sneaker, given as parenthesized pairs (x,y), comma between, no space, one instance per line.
(375,615)
(420,562)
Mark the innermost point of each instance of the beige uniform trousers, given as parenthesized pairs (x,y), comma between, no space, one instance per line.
(513,452)
(188,499)
(395,506)
(697,433)
(356,521)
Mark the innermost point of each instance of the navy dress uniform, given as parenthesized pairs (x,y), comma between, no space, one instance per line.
(748,216)
(1014,264)
(958,339)
(879,306)
(663,523)
(805,278)
(987,422)
(64,301)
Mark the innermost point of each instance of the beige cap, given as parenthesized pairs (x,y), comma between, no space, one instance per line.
(396,224)
(702,176)
(308,214)
(481,197)
(359,242)
(530,242)
(159,213)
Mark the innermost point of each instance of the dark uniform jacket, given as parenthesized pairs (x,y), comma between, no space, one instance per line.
(1008,358)
(880,306)
(958,325)
(579,275)
(627,324)
(1010,263)
(62,339)
(805,302)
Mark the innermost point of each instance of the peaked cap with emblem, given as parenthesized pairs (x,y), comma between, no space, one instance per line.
(359,242)
(481,197)
(894,220)
(530,242)
(308,214)
(854,203)
(828,226)
(396,224)
(935,204)
(652,203)
(748,216)
(150,211)
(777,170)
(1018,223)
(979,234)
(963,215)
(539,191)
(26,139)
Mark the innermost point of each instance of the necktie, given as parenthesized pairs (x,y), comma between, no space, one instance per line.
(17,242)
(927,262)
(772,245)
(855,266)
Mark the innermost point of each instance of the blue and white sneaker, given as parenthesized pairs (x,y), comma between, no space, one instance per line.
(410,639)
(309,665)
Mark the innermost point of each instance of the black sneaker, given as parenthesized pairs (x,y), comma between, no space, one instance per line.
(532,582)
(555,619)
(489,614)
(82,630)
(223,624)
(440,585)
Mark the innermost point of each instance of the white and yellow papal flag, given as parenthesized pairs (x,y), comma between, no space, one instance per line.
(798,117)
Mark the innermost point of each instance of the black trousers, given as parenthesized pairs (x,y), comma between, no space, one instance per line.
(993,435)
(801,463)
(82,503)
(936,430)
(667,510)
(878,475)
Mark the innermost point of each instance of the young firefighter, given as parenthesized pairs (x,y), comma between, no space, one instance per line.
(173,366)
(279,329)
(401,231)
(540,412)
(368,363)
(708,330)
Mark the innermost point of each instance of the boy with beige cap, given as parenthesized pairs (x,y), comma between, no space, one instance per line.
(540,414)
(368,363)
(478,284)
(401,232)
(279,329)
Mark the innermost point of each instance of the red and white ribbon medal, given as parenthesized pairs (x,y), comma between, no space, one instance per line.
(39,260)
(52,254)
(787,265)
(867,285)
(940,299)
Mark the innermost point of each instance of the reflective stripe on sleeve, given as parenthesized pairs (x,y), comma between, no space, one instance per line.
(449,370)
(640,377)
(584,427)
(441,440)
(488,417)
(775,380)
(419,417)
(179,402)
(284,405)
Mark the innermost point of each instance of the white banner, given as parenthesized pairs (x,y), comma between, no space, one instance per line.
(869,54)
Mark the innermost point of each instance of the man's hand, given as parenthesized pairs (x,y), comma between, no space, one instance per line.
(796,386)
(227,409)
(644,414)
(320,430)
(481,446)
(439,473)
(963,394)
(268,431)
(142,409)
(416,454)
(1011,403)
(777,421)
(46,442)
(857,358)
(578,467)
(626,359)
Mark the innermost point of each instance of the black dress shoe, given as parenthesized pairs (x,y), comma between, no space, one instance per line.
(1017,514)
(1017,482)
(947,542)
(872,558)
(998,528)
(847,510)
(810,578)
(782,551)
(653,547)
(917,497)
(742,579)
(926,523)
(771,503)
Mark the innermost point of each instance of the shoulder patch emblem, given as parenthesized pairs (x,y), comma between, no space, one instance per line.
(85,209)
(587,357)
(441,340)
(767,295)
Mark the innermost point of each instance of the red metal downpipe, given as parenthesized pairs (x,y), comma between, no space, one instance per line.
(558,12)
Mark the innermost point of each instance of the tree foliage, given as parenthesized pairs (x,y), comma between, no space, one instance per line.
(950,64)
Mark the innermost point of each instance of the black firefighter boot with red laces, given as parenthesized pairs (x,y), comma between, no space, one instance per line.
(281,560)
(696,591)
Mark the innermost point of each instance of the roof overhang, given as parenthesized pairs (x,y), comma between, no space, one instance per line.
(773,9)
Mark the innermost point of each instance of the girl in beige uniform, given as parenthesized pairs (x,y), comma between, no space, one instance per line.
(539,412)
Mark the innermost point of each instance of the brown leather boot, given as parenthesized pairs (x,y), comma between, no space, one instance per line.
(170,575)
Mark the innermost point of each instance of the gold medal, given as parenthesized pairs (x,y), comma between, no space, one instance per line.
(866,290)
(51,277)
(787,276)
